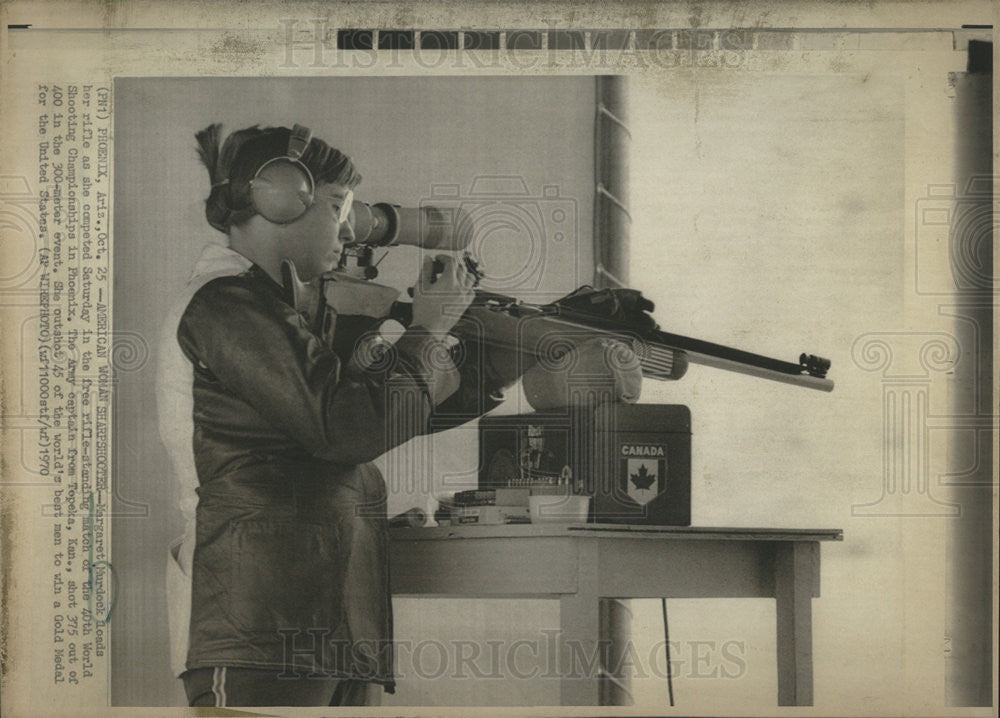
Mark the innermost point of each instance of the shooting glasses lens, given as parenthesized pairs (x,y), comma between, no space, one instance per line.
(345,208)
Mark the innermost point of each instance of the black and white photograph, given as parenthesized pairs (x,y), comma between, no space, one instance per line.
(395,365)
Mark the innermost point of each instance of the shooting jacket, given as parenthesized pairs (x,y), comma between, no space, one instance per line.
(290,566)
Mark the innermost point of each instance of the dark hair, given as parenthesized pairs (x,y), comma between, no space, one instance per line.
(233,163)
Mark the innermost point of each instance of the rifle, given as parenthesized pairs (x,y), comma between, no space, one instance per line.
(546,332)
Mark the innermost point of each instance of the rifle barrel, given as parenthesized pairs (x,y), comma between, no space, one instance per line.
(720,356)
(664,355)
(798,379)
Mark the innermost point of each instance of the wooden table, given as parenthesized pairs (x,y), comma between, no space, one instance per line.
(580,564)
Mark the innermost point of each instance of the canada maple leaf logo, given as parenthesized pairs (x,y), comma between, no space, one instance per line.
(642,478)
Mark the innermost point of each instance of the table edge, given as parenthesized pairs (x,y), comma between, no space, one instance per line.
(606,531)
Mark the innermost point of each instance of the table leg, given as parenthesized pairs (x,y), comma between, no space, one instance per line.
(579,634)
(615,639)
(579,645)
(794,580)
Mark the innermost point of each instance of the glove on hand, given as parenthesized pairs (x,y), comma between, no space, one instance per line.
(595,372)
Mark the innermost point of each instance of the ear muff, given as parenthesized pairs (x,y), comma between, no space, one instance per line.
(282,188)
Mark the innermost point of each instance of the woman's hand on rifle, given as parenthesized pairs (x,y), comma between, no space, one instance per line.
(442,293)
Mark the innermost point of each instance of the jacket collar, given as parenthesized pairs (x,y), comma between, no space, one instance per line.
(217,260)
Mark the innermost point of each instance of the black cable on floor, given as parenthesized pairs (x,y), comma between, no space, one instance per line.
(666,643)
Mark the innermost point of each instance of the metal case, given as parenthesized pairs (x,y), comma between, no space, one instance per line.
(634,459)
